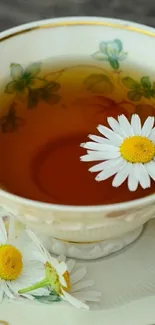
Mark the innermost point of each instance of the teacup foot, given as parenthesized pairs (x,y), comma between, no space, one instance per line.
(90,251)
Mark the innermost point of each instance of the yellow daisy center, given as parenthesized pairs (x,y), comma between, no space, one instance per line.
(138,149)
(11,263)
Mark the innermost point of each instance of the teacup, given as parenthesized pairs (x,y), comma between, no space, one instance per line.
(86,232)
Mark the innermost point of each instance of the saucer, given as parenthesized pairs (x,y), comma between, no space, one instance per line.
(126,280)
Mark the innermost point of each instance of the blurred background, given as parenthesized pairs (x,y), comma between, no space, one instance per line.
(15,12)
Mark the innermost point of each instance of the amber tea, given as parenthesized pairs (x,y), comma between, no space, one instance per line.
(44,117)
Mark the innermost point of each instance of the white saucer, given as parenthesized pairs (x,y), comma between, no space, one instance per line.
(89,251)
(127,282)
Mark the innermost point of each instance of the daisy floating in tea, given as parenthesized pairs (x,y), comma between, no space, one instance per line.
(127,150)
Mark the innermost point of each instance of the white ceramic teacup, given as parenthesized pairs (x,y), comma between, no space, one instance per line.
(82,232)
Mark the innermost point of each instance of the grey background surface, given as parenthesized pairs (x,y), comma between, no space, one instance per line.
(15,12)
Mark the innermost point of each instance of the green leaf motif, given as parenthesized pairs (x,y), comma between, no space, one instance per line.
(10,87)
(33,69)
(36,83)
(16,71)
(114,64)
(20,85)
(11,122)
(99,83)
(147,93)
(134,95)
(119,44)
(100,56)
(53,297)
(53,86)
(54,76)
(111,51)
(33,98)
(146,82)
(130,83)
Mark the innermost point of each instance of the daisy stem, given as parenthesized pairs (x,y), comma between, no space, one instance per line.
(41,284)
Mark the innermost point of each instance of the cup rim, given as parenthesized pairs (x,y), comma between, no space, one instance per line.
(72,21)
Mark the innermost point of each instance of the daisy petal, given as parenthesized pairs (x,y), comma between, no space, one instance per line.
(132,182)
(111,135)
(82,285)
(142,175)
(3,233)
(152,135)
(147,127)
(98,139)
(73,301)
(11,231)
(61,258)
(122,175)
(115,126)
(125,126)
(26,295)
(78,275)
(108,172)
(136,124)
(38,243)
(151,169)
(61,268)
(1,289)
(31,274)
(95,156)
(36,256)
(8,292)
(105,164)
(99,146)
(70,265)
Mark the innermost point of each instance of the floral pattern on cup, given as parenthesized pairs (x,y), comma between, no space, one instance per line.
(138,89)
(32,85)
(26,83)
(112,52)
(11,121)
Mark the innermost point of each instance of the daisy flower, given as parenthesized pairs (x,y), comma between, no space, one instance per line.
(127,152)
(60,277)
(16,268)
